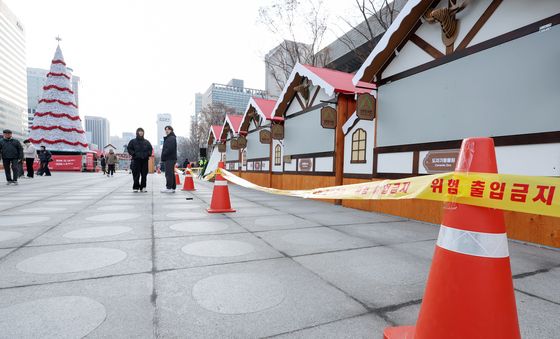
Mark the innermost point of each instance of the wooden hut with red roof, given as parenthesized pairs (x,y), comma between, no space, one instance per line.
(448,70)
(230,132)
(260,154)
(314,105)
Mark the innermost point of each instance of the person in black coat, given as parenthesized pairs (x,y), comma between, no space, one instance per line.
(140,150)
(44,158)
(12,156)
(169,158)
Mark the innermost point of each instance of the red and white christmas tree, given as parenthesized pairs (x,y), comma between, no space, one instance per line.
(57,124)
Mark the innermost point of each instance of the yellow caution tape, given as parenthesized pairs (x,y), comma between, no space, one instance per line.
(519,193)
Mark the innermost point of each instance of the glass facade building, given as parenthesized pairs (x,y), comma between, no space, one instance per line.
(233,94)
(13,82)
(98,131)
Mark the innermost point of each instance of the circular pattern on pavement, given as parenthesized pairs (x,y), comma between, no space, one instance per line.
(115,208)
(112,217)
(238,293)
(275,221)
(97,232)
(218,248)
(72,260)
(187,215)
(43,210)
(16,220)
(57,317)
(310,238)
(178,206)
(199,226)
(6,235)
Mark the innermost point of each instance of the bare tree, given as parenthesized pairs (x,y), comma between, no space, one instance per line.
(375,18)
(300,26)
(187,148)
(201,122)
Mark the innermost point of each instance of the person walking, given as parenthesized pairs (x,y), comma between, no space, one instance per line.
(30,154)
(12,155)
(169,158)
(140,149)
(103,162)
(44,158)
(111,162)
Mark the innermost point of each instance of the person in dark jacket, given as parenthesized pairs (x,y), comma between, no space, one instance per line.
(44,158)
(103,162)
(169,158)
(12,156)
(140,150)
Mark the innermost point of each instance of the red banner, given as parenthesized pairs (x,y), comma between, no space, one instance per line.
(64,163)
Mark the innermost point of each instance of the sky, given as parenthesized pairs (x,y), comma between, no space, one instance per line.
(138,58)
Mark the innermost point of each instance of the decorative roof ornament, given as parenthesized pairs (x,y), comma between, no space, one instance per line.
(446,18)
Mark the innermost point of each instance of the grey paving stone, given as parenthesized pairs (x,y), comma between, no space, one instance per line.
(336,218)
(76,232)
(312,240)
(528,258)
(123,309)
(181,252)
(306,301)
(378,276)
(363,326)
(17,236)
(273,222)
(176,228)
(137,258)
(545,285)
(382,232)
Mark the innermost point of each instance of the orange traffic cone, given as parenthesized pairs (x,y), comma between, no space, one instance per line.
(220,196)
(189,183)
(469,292)
(177,178)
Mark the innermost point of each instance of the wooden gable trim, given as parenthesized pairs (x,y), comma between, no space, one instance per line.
(496,41)
(312,101)
(307,110)
(479,24)
(301,104)
(424,45)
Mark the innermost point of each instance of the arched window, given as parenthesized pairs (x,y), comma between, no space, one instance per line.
(277,155)
(244,157)
(358,147)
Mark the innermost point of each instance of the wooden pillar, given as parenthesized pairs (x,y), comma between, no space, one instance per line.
(341,114)
(270,158)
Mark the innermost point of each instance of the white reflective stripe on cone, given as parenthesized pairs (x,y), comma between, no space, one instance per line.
(489,245)
(188,176)
(220,183)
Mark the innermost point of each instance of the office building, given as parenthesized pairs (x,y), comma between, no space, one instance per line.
(36,79)
(233,94)
(99,129)
(163,120)
(13,84)
(197,103)
(278,64)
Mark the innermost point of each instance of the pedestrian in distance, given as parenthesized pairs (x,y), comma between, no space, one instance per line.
(12,155)
(44,158)
(111,163)
(103,162)
(140,149)
(169,158)
(30,155)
